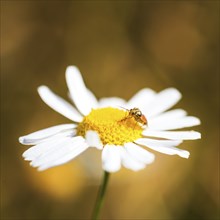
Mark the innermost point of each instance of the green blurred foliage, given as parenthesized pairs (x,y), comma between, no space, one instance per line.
(120,47)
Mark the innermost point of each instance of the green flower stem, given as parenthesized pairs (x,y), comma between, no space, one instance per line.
(101,195)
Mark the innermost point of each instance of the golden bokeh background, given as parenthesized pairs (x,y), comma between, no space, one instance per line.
(120,47)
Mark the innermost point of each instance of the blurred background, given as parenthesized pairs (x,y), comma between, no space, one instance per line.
(120,47)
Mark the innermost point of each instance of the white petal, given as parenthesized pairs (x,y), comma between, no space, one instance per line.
(82,97)
(60,152)
(69,152)
(163,146)
(59,104)
(63,134)
(130,162)
(153,142)
(163,101)
(141,99)
(169,115)
(93,140)
(52,151)
(177,123)
(111,159)
(43,134)
(174,135)
(112,102)
(139,153)
(92,98)
(42,148)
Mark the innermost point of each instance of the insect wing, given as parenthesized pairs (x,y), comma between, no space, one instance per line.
(143,119)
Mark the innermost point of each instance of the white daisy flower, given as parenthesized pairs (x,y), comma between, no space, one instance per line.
(107,125)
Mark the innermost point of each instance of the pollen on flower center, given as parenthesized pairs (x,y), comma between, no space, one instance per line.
(112,125)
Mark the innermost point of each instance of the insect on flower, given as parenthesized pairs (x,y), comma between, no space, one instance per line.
(136,114)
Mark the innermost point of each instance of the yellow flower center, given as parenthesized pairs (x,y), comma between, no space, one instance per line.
(113,126)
